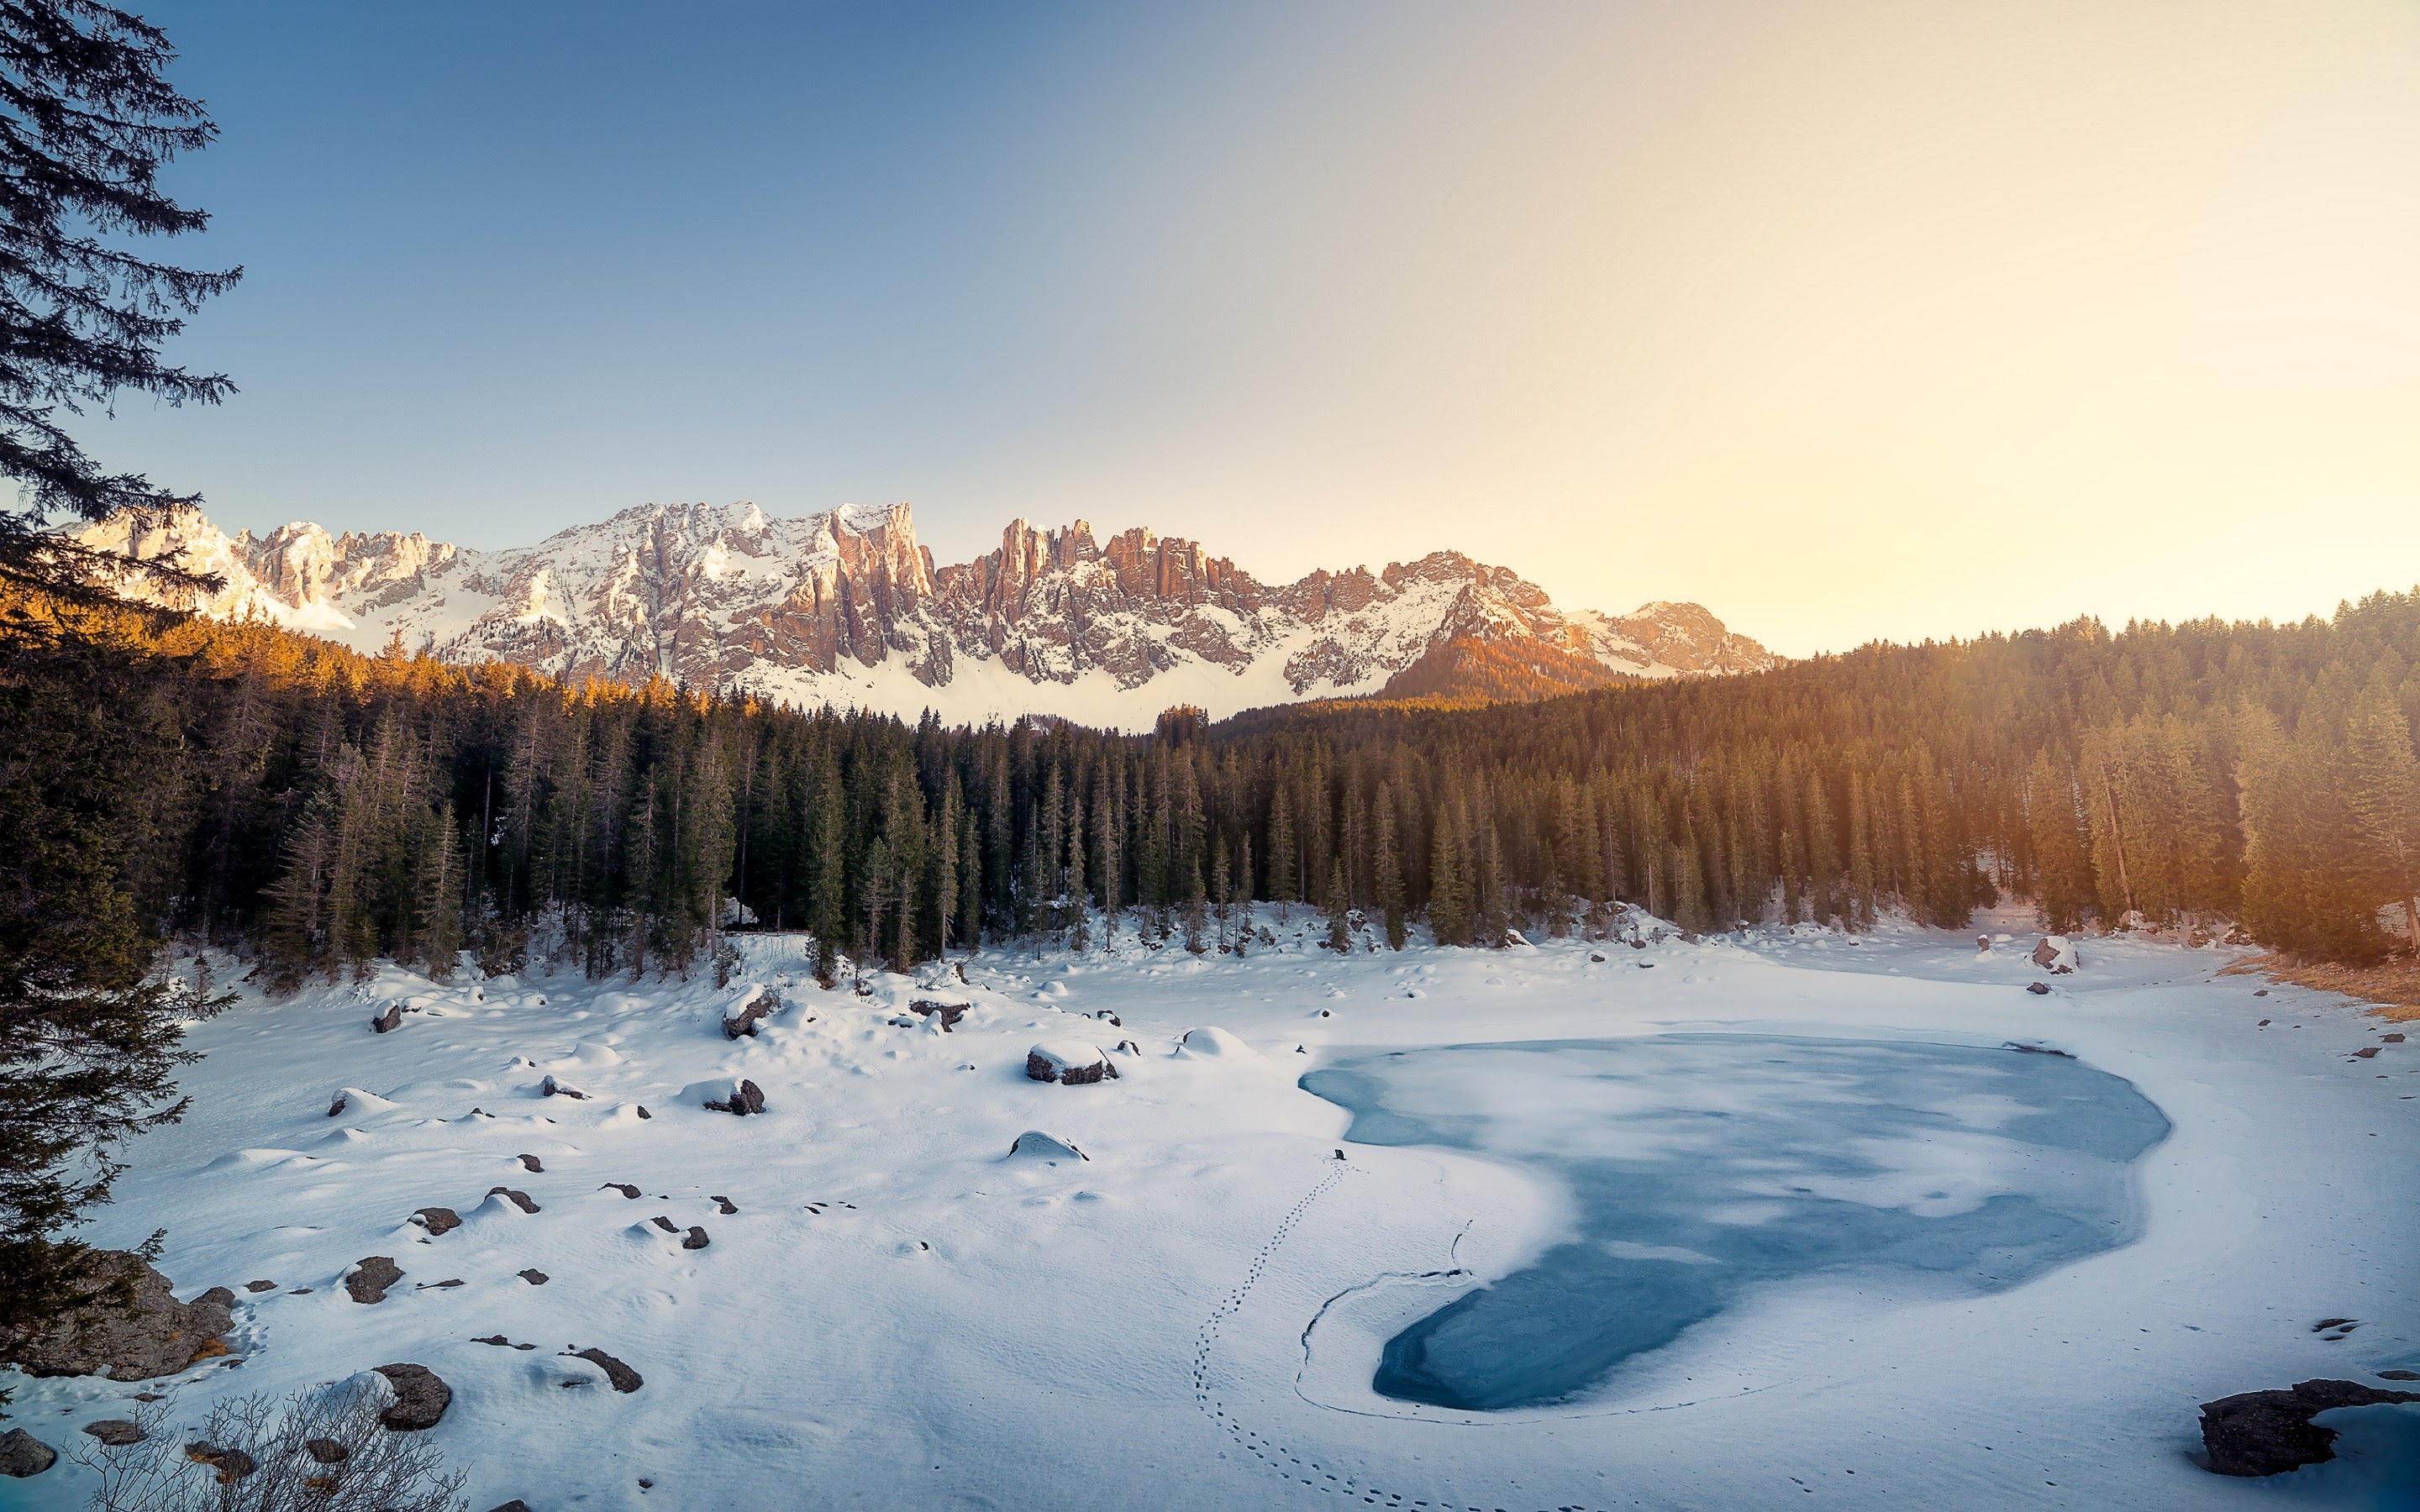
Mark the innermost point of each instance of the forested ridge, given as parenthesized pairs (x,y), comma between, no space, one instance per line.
(314,809)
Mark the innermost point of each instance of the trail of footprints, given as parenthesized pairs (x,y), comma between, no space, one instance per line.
(1277,1455)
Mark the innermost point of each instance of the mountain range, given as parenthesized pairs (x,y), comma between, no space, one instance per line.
(847,608)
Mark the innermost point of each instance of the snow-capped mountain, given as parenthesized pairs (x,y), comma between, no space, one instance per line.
(847,608)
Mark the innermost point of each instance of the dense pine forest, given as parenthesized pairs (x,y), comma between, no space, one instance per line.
(314,810)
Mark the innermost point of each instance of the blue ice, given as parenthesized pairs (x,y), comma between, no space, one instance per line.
(1705,1167)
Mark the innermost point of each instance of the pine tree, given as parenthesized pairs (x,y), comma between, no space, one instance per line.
(1387,868)
(2382,790)
(1281,849)
(1340,909)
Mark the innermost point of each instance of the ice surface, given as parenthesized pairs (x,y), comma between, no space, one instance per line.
(1705,1165)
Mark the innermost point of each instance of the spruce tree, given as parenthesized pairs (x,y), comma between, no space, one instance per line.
(90,120)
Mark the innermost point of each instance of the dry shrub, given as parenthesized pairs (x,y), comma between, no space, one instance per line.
(292,1450)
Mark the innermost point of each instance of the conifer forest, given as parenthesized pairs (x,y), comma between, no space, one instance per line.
(315,810)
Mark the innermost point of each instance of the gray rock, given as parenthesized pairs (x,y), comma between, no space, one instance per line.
(531,1163)
(515,1505)
(725,1204)
(748,1099)
(23,1455)
(367,1281)
(420,1397)
(260,1285)
(232,1464)
(763,1005)
(145,1332)
(695,1239)
(437,1220)
(337,1106)
(2270,1432)
(533,1276)
(624,1187)
(390,1021)
(326,1451)
(519,1200)
(950,1012)
(551,1088)
(622,1376)
(115,1432)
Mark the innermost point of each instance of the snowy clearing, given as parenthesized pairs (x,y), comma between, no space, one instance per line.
(889,1309)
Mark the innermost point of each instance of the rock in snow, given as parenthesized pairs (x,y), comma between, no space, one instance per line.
(23,1455)
(367,1281)
(420,1397)
(2056,954)
(158,1336)
(2270,1432)
(1068,1062)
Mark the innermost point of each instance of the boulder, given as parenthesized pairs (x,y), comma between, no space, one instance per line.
(2056,954)
(437,1220)
(2040,989)
(695,1239)
(153,1334)
(551,1088)
(336,1106)
(743,1099)
(725,1205)
(624,1187)
(2270,1432)
(763,1005)
(622,1376)
(950,1012)
(232,1464)
(515,1505)
(390,1021)
(326,1451)
(367,1281)
(23,1455)
(1036,1145)
(260,1285)
(420,1397)
(1068,1062)
(533,1276)
(519,1200)
(532,1164)
(117,1432)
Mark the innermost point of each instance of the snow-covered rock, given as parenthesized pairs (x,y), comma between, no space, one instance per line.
(1068,1062)
(1036,1145)
(2054,953)
(1215,1044)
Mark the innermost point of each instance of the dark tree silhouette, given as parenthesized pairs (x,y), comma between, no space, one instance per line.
(86,122)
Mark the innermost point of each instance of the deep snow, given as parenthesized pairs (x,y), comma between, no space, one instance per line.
(900,1314)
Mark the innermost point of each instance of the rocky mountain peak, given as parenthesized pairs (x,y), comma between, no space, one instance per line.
(848,607)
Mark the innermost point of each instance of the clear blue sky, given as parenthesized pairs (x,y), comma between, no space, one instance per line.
(1838,318)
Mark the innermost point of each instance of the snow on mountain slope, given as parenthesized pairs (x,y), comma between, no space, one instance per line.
(846,607)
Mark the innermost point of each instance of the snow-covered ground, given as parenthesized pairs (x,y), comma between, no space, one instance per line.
(900,1313)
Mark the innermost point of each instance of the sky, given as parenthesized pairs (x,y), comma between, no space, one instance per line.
(1850,320)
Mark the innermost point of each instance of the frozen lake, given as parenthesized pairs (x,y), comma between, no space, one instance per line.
(1706,1168)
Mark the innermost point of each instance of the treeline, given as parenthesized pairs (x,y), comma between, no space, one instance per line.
(318,809)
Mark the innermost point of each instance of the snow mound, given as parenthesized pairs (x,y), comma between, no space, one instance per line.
(1036,1145)
(1213,1041)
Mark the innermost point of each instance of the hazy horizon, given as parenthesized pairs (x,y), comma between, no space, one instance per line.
(1882,321)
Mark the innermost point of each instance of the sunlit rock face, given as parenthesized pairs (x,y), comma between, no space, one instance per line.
(847,608)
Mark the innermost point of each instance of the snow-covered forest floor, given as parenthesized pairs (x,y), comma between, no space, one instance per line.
(893,1311)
